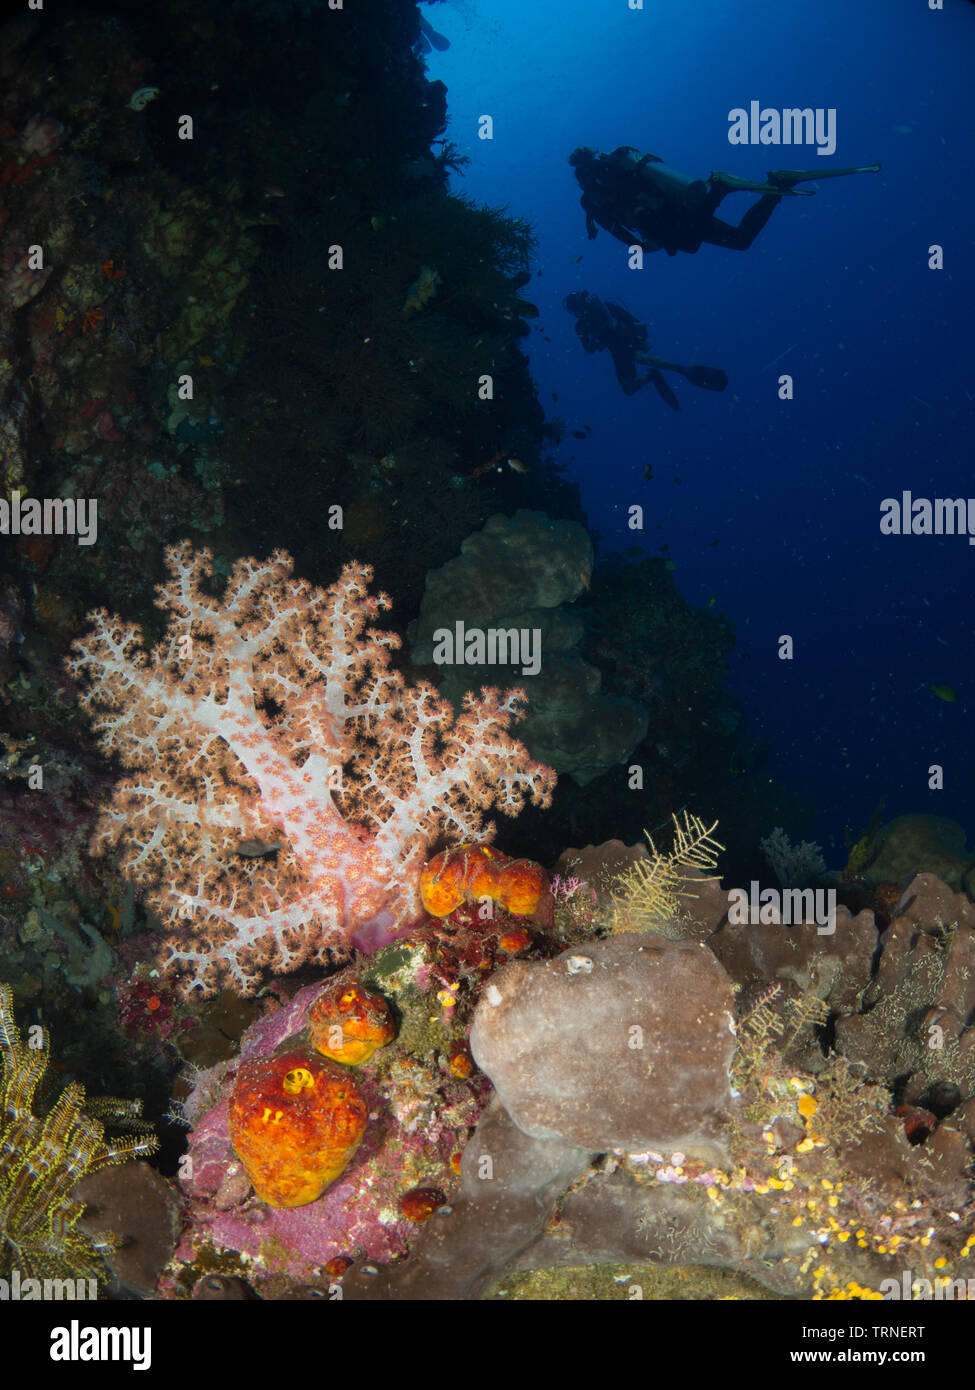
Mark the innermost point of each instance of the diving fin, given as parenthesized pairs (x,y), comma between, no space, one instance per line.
(663,390)
(710,378)
(431,38)
(790,176)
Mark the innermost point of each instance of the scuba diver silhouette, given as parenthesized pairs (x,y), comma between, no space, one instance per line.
(642,201)
(608,326)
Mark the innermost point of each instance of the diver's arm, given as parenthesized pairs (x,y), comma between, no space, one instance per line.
(624,234)
(590,220)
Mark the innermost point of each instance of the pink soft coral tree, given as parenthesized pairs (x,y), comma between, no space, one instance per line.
(286,781)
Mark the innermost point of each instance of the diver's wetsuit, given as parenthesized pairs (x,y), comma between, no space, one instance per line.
(611,327)
(719,233)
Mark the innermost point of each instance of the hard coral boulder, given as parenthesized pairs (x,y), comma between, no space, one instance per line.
(624,1044)
(914,1020)
(509,567)
(518,574)
(834,966)
(572,725)
(598,868)
(910,844)
(143,1211)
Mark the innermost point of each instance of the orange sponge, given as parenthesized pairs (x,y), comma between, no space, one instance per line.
(469,872)
(349,1022)
(295,1122)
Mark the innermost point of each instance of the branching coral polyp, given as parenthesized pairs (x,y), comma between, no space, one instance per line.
(286,783)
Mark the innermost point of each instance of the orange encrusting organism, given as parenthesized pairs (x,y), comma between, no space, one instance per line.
(460,1062)
(471,872)
(295,1122)
(349,1022)
(513,941)
(420,1203)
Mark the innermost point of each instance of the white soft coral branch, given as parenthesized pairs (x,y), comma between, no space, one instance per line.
(273,714)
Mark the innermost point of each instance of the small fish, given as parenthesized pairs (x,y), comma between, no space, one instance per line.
(670,564)
(141,98)
(575,260)
(257,848)
(517,466)
(579,434)
(712,600)
(717,541)
(948,693)
(648,472)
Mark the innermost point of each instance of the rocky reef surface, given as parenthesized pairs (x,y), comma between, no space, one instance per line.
(786,1110)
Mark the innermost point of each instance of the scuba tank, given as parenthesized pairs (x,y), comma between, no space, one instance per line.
(672,186)
(675,186)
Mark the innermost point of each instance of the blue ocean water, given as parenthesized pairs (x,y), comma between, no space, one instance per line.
(836,291)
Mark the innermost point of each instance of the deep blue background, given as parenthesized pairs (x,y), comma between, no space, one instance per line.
(879,346)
